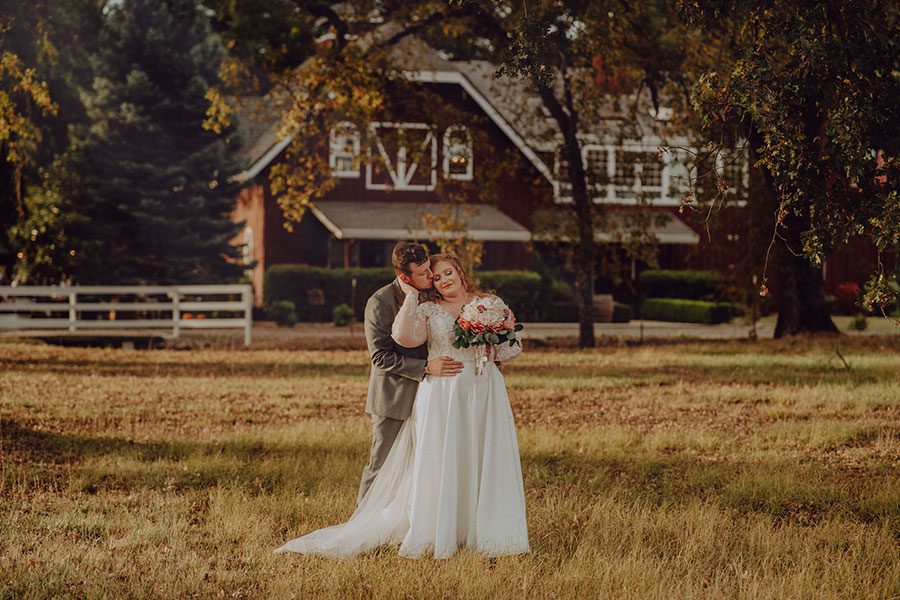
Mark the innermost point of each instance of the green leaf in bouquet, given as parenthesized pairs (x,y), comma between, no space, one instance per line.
(494,338)
(511,336)
(519,327)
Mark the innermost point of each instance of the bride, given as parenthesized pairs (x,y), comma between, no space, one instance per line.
(453,478)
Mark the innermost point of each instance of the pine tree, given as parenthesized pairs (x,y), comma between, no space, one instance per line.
(152,182)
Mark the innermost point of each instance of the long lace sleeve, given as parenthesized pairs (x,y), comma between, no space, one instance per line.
(504,351)
(409,329)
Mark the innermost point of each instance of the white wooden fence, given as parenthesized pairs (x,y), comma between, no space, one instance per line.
(114,310)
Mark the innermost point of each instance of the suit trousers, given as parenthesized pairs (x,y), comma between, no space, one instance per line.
(384,432)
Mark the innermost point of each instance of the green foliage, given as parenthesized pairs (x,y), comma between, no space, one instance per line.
(153,184)
(45,239)
(859,322)
(815,92)
(519,289)
(686,311)
(622,313)
(689,285)
(282,312)
(316,291)
(342,315)
(52,41)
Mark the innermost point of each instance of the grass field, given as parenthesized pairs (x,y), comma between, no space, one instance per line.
(681,470)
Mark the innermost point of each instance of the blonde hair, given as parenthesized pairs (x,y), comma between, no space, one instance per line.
(432,295)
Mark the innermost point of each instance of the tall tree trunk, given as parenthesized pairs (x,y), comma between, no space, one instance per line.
(584,246)
(801,302)
(567,119)
(800,285)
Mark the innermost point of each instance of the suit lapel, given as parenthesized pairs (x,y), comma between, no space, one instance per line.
(398,293)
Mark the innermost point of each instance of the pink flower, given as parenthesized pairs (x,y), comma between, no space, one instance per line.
(509,324)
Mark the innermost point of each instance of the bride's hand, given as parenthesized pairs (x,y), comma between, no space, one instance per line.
(407,288)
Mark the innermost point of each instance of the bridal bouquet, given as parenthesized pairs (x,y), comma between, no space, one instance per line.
(485,322)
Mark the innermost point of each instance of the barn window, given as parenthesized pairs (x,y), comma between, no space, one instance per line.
(458,153)
(345,146)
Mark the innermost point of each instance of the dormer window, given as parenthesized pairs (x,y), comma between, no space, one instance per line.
(458,153)
(343,157)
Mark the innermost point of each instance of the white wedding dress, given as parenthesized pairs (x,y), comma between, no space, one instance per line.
(453,477)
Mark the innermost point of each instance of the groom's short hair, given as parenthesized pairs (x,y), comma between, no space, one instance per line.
(405,255)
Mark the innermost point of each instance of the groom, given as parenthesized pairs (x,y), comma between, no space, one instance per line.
(396,371)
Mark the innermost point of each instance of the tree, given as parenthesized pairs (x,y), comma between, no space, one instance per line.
(553,46)
(53,39)
(814,91)
(151,182)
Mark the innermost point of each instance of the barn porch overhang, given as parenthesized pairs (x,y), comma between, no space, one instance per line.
(556,225)
(348,220)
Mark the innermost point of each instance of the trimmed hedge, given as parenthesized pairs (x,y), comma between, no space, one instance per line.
(686,311)
(622,313)
(316,291)
(519,289)
(688,285)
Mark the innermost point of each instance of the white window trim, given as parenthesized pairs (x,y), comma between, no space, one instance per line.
(401,174)
(656,195)
(469,174)
(333,155)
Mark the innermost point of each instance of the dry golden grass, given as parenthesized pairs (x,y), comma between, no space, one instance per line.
(686,470)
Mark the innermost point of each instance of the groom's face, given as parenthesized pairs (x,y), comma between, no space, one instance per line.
(419,276)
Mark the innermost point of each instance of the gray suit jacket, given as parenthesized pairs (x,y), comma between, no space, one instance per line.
(396,371)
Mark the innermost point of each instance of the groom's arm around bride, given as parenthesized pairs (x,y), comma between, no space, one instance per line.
(396,371)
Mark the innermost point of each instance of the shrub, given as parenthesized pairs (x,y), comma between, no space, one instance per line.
(565,311)
(847,297)
(689,285)
(316,291)
(342,315)
(283,313)
(621,313)
(519,289)
(686,311)
(859,322)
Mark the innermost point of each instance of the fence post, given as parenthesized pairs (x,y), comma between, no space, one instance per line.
(176,313)
(73,300)
(247,297)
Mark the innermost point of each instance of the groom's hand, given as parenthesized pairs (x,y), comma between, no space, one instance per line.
(443,367)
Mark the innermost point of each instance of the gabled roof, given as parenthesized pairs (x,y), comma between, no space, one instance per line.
(501,100)
(510,103)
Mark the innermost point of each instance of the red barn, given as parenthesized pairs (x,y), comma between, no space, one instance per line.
(384,187)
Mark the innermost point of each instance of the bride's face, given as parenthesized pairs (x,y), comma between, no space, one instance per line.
(446,279)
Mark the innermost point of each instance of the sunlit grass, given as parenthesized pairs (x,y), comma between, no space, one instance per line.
(696,470)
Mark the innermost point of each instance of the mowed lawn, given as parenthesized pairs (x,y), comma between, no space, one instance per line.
(682,470)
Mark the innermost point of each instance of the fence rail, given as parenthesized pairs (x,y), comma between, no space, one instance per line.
(40,307)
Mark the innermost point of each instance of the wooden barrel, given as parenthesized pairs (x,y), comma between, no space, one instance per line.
(603,308)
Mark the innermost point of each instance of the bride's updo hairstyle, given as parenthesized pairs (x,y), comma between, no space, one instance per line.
(432,295)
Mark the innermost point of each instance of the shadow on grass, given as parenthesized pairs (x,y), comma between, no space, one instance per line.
(789,375)
(173,368)
(788,490)
(175,464)
(781,488)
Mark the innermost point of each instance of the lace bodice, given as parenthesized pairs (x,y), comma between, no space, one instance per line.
(417,323)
